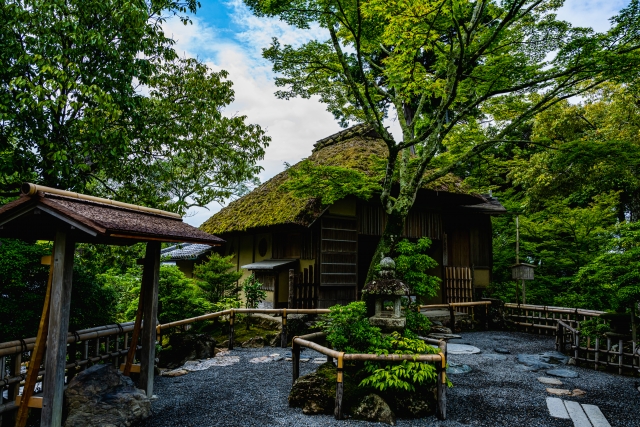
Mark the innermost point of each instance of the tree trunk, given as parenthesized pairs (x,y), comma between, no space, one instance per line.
(393,232)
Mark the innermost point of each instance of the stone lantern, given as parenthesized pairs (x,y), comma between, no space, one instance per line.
(386,288)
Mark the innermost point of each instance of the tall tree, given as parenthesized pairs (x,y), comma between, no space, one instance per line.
(93,98)
(444,67)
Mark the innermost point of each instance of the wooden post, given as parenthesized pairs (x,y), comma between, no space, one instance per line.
(150,275)
(36,354)
(232,318)
(56,353)
(441,388)
(283,333)
(134,338)
(559,338)
(292,288)
(452,318)
(295,361)
(337,413)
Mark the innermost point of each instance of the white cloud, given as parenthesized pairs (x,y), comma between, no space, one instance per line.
(591,13)
(294,125)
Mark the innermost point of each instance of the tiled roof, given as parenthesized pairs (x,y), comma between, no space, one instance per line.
(184,251)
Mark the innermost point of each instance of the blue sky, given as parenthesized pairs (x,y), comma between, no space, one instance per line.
(225,35)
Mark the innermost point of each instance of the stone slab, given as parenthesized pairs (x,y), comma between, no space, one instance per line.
(556,408)
(563,373)
(462,349)
(559,391)
(502,351)
(495,357)
(577,414)
(549,381)
(455,369)
(596,416)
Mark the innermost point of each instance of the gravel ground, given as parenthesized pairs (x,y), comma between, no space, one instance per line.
(495,393)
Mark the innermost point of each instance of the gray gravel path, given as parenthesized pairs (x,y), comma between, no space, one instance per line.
(495,393)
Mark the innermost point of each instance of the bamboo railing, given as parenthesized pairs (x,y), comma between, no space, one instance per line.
(542,319)
(84,348)
(439,360)
(469,308)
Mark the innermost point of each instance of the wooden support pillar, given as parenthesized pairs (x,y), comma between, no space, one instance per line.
(232,321)
(150,275)
(295,361)
(283,333)
(292,289)
(56,352)
(452,318)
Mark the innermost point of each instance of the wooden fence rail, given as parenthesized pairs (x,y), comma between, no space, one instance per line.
(84,348)
(542,319)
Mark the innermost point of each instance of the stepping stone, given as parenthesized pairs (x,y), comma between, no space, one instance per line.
(577,392)
(462,349)
(559,391)
(549,381)
(577,414)
(563,373)
(320,360)
(444,336)
(455,369)
(496,357)
(595,416)
(556,408)
(502,351)
(533,362)
(304,360)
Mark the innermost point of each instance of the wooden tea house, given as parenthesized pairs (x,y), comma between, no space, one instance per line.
(271,231)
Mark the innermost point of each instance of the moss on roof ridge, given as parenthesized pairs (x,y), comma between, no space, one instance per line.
(270,205)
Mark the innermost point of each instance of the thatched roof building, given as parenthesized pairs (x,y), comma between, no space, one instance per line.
(335,243)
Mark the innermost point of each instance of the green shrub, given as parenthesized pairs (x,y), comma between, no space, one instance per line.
(401,376)
(348,328)
(253,292)
(218,278)
(412,263)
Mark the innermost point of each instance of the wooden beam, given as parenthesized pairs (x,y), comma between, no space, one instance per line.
(36,353)
(150,290)
(134,336)
(56,360)
(34,402)
(132,368)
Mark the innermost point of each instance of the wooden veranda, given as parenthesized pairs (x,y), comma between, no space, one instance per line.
(67,218)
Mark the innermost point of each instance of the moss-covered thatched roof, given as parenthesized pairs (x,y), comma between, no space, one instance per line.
(269,205)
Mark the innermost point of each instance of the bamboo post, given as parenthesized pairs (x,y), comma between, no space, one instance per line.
(452,318)
(295,360)
(150,276)
(292,289)
(232,318)
(620,354)
(339,388)
(441,368)
(56,352)
(486,317)
(283,333)
(596,354)
(14,370)
(576,340)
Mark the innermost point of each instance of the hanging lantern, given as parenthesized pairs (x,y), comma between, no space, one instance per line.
(522,271)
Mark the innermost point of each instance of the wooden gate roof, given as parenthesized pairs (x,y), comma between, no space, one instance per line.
(37,217)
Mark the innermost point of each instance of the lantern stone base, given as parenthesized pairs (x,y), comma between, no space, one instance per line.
(388,324)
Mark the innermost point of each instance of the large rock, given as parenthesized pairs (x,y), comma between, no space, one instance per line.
(184,347)
(101,396)
(373,408)
(255,342)
(315,393)
(418,404)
